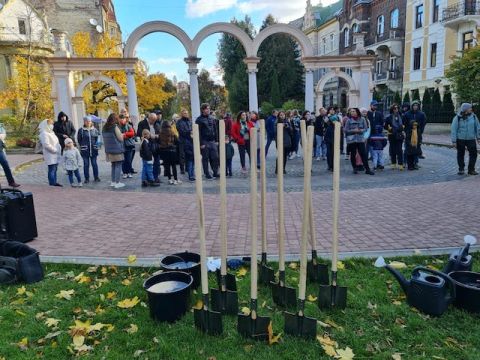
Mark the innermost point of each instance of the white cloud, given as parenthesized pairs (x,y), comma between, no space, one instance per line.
(200,8)
(166,61)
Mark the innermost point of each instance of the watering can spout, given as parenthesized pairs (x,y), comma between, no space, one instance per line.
(404,283)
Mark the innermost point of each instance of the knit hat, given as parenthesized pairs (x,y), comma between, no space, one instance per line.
(465,106)
(362,110)
(374,103)
(68,141)
(416,102)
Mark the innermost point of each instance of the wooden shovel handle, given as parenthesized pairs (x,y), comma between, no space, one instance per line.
(201,211)
(303,132)
(263,179)
(253,212)
(223,198)
(336,194)
(307,178)
(281,214)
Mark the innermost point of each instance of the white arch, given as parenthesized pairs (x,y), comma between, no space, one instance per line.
(298,35)
(330,75)
(92,78)
(156,26)
(227,28)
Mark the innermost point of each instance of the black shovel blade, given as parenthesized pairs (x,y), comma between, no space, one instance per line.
(225,302)
(266,275)
(330,296)
(256,329)
(300,325)
(317,273)
(230,281)
(208,321)
(283,296)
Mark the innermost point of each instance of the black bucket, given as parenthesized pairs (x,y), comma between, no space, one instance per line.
(467,285)
(186,261)
(171,302)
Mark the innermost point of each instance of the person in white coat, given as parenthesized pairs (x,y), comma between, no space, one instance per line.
(51,150)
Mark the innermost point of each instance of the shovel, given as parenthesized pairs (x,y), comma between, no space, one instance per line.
(317,273)
(225,298)
(206,320)
(330,296)
(266,274)
(298,324)
(252,325)
(281,294)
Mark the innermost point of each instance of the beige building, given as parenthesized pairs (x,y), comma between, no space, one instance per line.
(436,32)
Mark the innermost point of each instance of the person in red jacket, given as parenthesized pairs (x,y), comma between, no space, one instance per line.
(128,133)
(240,134)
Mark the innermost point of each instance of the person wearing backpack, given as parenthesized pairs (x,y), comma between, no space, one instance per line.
(114,149)
(87,139)
(465,133)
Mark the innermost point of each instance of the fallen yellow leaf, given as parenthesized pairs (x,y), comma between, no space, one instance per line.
(132,329)
(21,313)
(396,302)
(65,294)
(311,298)
(128,303)
(293,265)
(111,295)
(329,350)
(126,282)
(398,265)
(78,340)
(346,354)
(131,259)
(21,290)
(104,270)
(23,344)
(334,325)
(51,322)
(340,265)
(245,310)
(99,310)
(198,305)
(325,340)
(242,272)
(272,339)
(92,269)
(397,356)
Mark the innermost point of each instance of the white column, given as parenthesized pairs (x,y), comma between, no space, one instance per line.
(63,90)
(121,103)
(309,93)
(365,89)
(319,102)
(132,96)
(252,90)
(79,110)
(194,92)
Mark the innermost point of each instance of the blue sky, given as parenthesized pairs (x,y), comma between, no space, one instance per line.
(163,53)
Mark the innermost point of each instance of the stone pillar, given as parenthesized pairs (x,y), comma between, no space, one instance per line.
(252,83)
(194,90)
(365,84)
(353,97)
(121,103)
(60,41)
(62,82)
(79,110)
(319,102)
(132,96)
(309,93)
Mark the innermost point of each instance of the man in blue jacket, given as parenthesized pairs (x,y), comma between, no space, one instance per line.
(270,129)
(465,133)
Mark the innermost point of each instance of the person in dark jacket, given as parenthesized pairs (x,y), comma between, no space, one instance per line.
(129,145)
(287,138)
(3,159)
(228,125)
(229,153)
(87,139)
(154,125)
(320,123)
(168,152)
(412,142)
(64,129)
(355,127)
(270,129)
(184,128)
(208,146)
(375,118)
(418,116)
(378,142)
(146,154)
(395,128)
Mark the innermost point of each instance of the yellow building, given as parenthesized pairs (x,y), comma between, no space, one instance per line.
(436,32)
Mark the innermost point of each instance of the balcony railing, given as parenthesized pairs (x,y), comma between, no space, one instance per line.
(394,34)
(460,9)
(383,76)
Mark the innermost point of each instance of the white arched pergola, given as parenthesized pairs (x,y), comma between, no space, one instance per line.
(352,87)
(79,104)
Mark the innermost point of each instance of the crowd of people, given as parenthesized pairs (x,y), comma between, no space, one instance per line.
(169,142)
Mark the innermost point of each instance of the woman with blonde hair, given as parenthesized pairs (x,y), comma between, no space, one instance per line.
(51,150)
(114,148)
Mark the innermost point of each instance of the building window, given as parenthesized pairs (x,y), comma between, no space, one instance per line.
(393,63)
(378,67)
(346,37)
(417,57)
(419,16)
(349,71)
(354,31)
(332,42)
(394,15)
(436,7)
(467,40)
(324,45)
(22,27)
(380,25)
(433,55)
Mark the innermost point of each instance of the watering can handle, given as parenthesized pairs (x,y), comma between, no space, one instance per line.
(447,278)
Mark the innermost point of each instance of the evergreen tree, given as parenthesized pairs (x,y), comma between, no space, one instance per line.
(397,98)
(275,95)
(415,95)
(238,93)
(406,97)
(436,105)
(448,109)
(427,104)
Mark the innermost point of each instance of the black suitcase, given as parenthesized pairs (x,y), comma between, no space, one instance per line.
(17,216)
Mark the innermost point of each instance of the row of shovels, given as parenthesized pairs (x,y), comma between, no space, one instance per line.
(224,300)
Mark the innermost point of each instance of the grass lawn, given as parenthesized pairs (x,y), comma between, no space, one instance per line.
(377,323)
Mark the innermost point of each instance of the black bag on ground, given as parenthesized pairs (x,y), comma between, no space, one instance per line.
(19,263)
(17,216)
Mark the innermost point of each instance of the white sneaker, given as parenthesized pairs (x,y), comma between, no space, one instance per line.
(112,184)
(124,176)
(299,156)
(80,184)
(73,185)
(129,176)
(171,182)
(317,158)
(291,157)
(178,182)
(119,185)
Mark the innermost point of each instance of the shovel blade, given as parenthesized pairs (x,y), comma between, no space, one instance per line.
(300,325)
(256,329)
(330,296)
(225,302)
(230,281)
(318,273)
(283,296)
(266,275)
(208,321)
